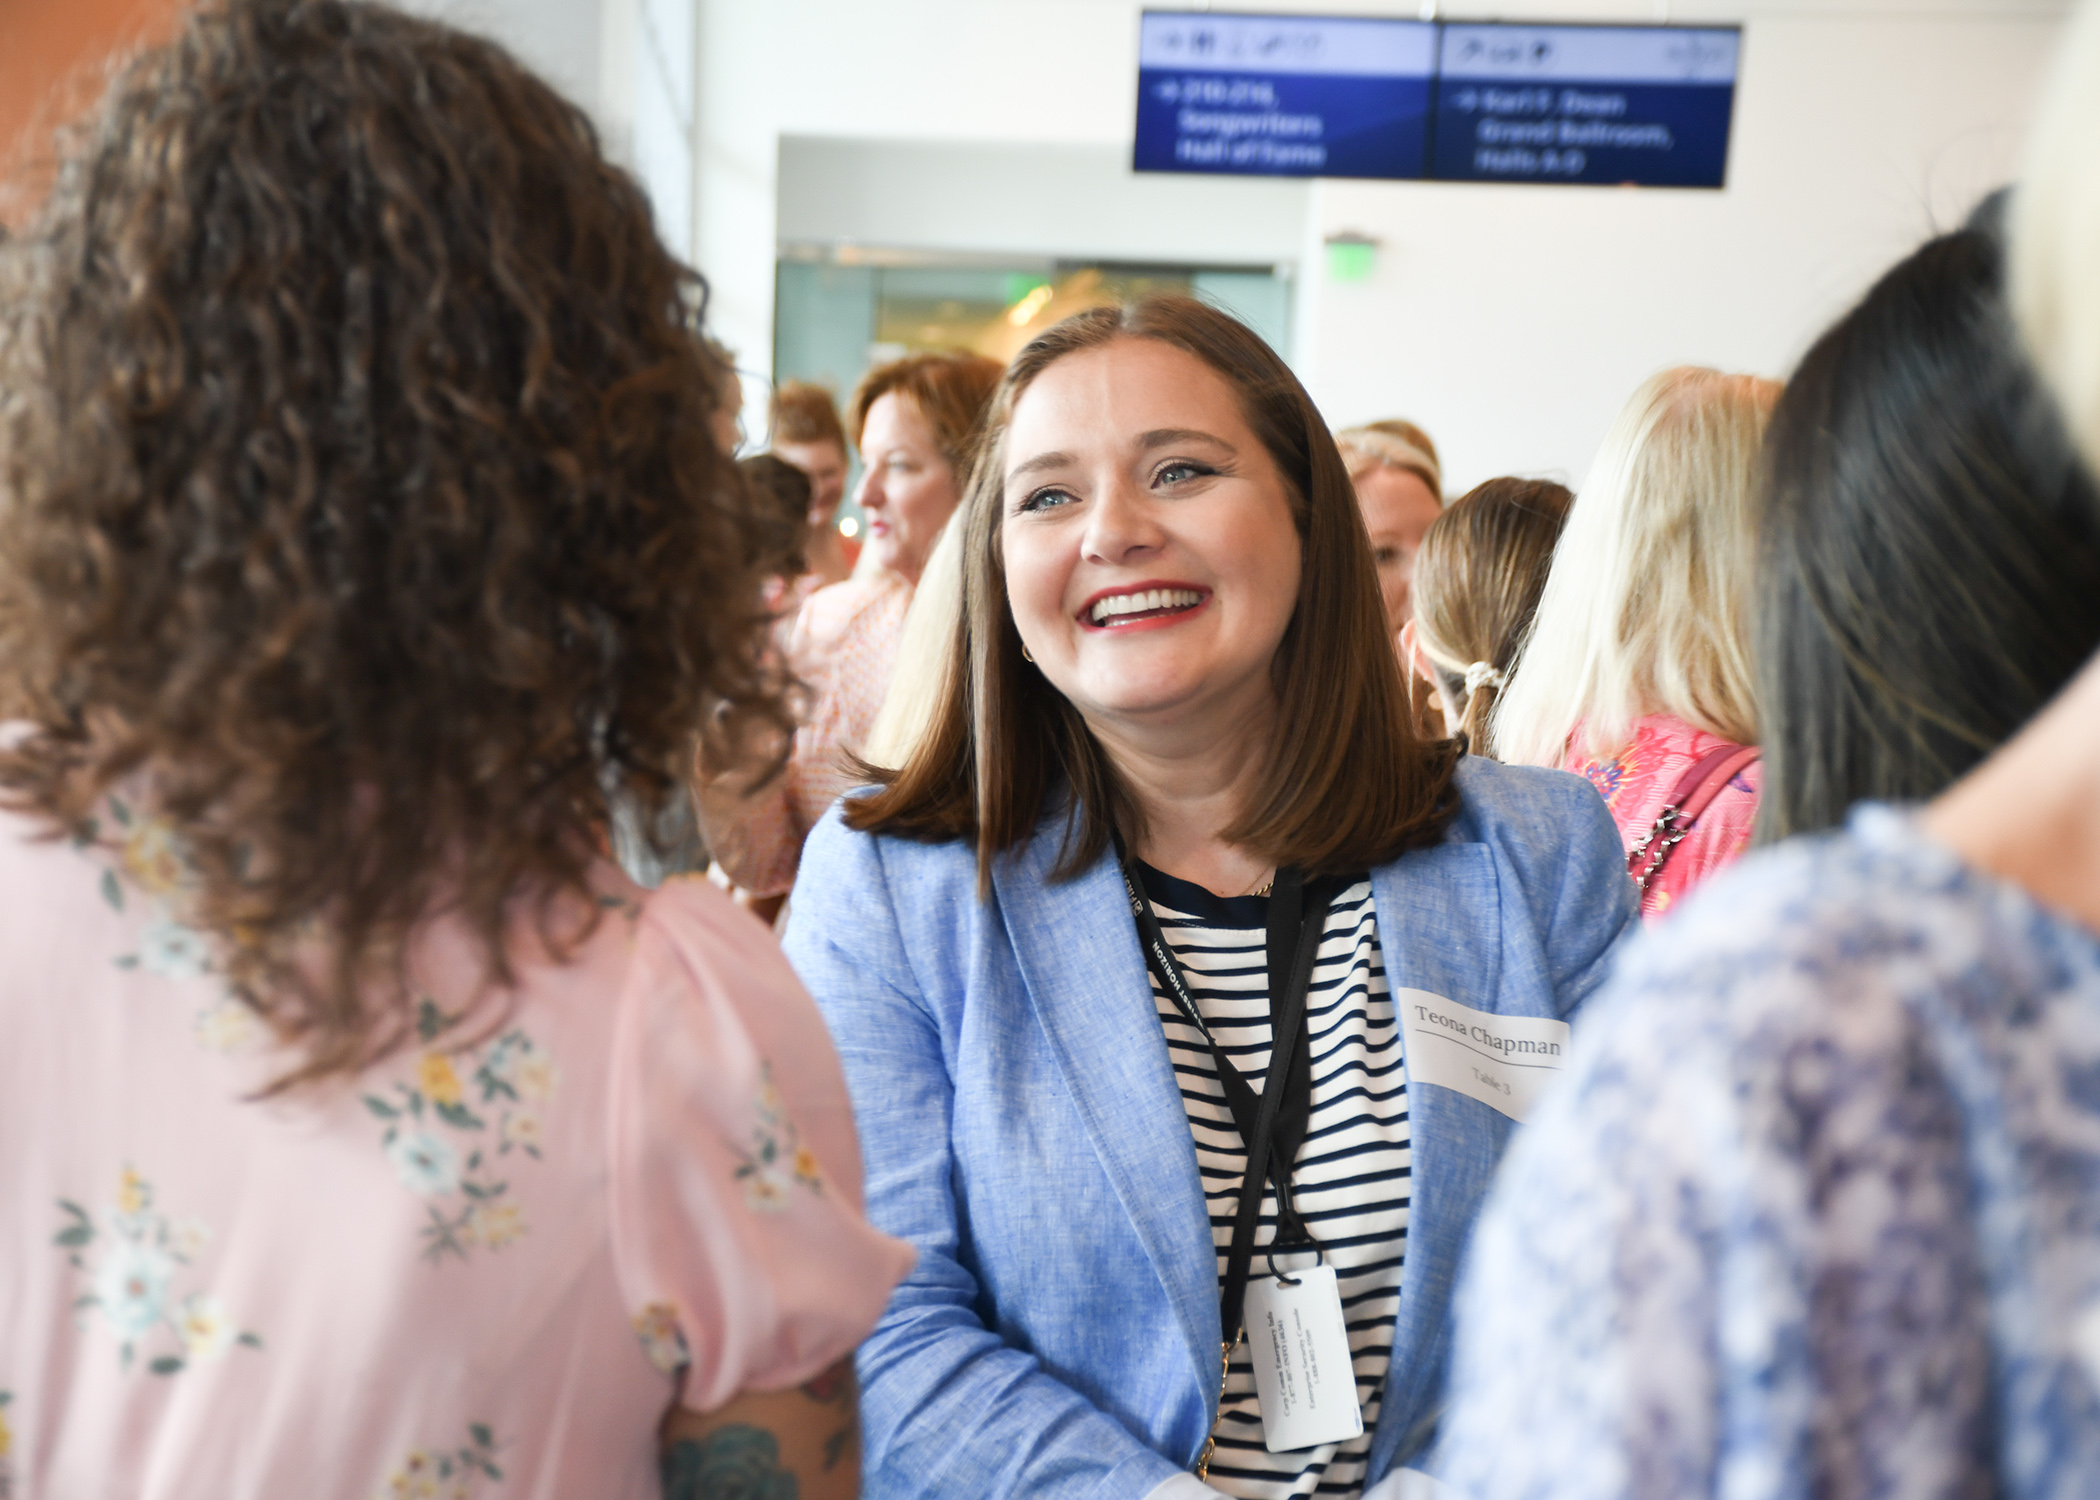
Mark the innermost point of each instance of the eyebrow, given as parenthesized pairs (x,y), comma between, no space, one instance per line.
(1040,462)
(1165,437)
(1159,437)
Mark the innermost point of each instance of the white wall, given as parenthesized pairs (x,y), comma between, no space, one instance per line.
(1509,320)
(1040,72)
(1017,198)
(559,38)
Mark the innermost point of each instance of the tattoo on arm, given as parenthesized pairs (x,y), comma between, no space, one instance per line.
(802,1443)
(834,1388)
(730,1463)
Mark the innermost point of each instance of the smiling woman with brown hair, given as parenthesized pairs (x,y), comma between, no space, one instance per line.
(361,538)
(1145,966)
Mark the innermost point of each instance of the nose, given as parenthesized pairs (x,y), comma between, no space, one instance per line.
(1121,527)
(870,496)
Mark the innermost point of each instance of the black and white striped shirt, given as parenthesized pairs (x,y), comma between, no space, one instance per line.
(1352,1174)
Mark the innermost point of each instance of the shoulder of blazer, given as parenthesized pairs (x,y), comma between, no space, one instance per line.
(893,904)
(942,871)
(888,892)
(1558,853)
(1548,831)
(1538,822)
(1526,806)
(833,851)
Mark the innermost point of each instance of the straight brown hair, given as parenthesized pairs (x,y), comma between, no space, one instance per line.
(1348,785)
(1478,578)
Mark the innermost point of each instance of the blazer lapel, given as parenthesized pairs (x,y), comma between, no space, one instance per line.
(1077,949)
(1439,929)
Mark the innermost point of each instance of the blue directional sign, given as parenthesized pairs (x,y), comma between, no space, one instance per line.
(1319,96)
(1283,96)
(1599,104)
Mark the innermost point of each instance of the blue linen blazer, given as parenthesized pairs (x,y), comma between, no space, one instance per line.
(1021,1126)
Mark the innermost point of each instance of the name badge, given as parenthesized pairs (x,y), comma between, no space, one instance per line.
(1303,1371)
(1503,1061)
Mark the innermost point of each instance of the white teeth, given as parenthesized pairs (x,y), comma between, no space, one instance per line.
(1143,602)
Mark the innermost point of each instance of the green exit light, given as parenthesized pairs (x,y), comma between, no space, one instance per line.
(1351,260)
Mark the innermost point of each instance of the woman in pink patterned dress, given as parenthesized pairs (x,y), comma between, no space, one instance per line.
(1638,665)
(366,1132)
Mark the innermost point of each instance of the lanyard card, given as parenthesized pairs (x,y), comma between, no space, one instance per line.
(1303,1371)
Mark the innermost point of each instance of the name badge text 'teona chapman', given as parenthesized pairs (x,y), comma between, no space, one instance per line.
(1503,1061)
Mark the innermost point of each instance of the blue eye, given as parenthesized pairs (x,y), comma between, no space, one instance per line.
(1181,470)
(1045,499)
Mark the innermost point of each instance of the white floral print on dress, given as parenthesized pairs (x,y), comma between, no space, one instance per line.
(444,1473)
(662,1339)
(150,857)
(777,1160)
(450,1124)
(227,1026)
(141,1254)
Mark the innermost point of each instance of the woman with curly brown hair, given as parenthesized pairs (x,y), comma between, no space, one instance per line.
(360,538)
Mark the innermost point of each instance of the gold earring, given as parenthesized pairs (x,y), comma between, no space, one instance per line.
(1024,653)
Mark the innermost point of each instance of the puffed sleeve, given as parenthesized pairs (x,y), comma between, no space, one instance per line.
(737,1230)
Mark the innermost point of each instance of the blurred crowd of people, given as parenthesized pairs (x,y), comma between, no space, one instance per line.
(1182,963)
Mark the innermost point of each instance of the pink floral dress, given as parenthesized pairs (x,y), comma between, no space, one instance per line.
(483,1268)
(1639,779)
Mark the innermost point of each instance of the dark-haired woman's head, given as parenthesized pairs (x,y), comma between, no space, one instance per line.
(1477,582)
(356,495)
(780,493)
(1932,560)
(1162,541)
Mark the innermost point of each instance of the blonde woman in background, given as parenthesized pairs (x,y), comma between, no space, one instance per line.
(920,676)
(1477,583)
(1638,667)
(1400,490)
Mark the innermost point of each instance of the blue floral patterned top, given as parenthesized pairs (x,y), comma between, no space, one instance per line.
(1816,1210)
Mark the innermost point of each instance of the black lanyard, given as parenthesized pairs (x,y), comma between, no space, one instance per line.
(1273,1125)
